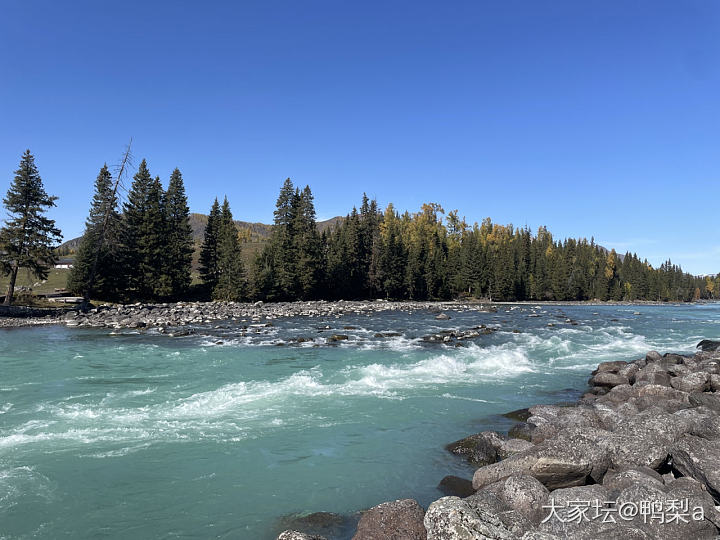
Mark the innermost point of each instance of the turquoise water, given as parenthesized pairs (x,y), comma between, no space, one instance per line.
(222,435)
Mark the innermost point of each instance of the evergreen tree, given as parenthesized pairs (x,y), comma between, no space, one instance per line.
(209,271)
(135,211)
(154,245)
(28,238)
(180,244)
(307,247)
(231,275)
(98,245)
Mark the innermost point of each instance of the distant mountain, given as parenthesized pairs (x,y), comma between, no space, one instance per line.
(258,233)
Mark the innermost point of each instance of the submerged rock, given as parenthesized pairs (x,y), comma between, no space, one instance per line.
(295,535)
(456,486)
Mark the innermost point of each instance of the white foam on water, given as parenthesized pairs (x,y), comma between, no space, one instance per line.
(463,398)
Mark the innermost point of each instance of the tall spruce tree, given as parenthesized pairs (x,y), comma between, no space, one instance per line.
(307,247)
(231,274)
(155,243)
(276,265)
(28,238)
(145,238)
(96,269)
(180,246)
(134,216)
(209,271)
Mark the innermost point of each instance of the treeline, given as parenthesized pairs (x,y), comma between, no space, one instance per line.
(143,250)
(423,256)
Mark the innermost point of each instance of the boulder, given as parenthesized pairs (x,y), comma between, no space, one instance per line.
(565,461)
(698,458)
(715,383)
(478,449)
(708,345)
(611,367)
(524,494)
(452,518)
(640,493)
(653,356)
(608,380)
(322,524)
(442,317)
(521,430)
(672,358)
(618,480)
(695,382)
(486,501)
(519,415)
(456,486)
(653,374)
(396,520)
(561,518)
(704,399)
(295,535)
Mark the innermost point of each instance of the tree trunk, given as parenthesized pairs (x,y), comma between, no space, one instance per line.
(11,286)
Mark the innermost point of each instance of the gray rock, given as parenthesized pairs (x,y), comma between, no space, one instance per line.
(608,380)
(612,367)
(563,522)
(486,501)
(451,518)
(703,399)
(699,459)
(521,430)
(653,356)
(695,382)
(479,449)
(442,317)
(295,535)
(619,480)
(524,494)
(397,520)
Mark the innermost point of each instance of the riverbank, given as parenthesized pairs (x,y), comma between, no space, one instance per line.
(180,314)
(191,313)
(636,457)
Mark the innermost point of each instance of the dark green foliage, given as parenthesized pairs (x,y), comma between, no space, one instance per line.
(145,238)
(28,238)
(231,283)
(179,252)
(368,254)
(291,265)
(102,233)
(209,271)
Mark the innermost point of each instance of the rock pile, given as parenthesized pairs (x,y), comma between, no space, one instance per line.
(638,456)
(189,313)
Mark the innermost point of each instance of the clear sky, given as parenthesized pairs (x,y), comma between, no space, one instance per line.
(595,118)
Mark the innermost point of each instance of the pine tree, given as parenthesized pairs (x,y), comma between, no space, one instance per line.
(97,246)
(154,244)
(133,229)
(28,238)
(307,247)
(276,265)
(179,237)
(231,279)
(209,271)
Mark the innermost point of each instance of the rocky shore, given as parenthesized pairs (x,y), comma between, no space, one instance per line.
(181,314)
(637,457)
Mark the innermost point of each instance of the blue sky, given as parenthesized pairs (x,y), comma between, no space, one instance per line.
(594,118)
